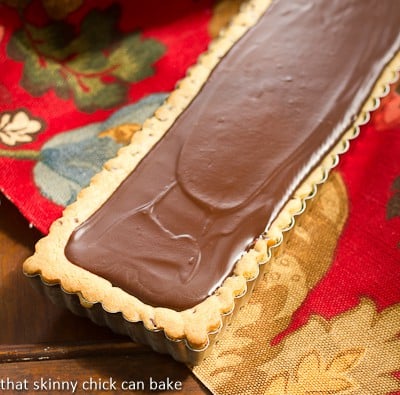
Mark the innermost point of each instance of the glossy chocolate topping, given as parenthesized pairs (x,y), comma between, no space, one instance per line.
(275,105)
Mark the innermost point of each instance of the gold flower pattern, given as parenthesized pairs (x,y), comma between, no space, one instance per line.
(353,353)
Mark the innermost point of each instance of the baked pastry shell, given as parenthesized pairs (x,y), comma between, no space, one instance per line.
(187,335)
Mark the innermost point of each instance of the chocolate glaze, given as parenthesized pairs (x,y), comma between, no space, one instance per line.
(271,109)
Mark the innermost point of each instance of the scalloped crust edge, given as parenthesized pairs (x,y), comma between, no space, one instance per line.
(193,326)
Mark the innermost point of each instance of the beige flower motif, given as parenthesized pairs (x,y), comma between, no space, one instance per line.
(314,376)
(18,127)
(353,353)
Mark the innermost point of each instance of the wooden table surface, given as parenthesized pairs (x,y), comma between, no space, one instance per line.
(42,345)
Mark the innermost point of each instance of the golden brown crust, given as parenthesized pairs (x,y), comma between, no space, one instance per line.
(193,325)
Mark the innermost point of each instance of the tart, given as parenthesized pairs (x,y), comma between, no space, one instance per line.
(170,238)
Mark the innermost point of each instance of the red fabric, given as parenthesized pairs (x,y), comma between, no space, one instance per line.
(180,25)
(368,251)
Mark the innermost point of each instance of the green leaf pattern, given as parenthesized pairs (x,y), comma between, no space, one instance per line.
(95,66)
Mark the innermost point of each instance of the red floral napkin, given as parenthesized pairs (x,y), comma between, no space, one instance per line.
(76,80)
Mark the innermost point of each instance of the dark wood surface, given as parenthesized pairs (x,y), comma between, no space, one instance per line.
(40,341)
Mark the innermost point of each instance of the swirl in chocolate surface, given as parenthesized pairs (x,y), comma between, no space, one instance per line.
(272,108)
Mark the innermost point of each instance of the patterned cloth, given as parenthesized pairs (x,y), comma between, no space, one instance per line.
(325,319)
(77,80)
